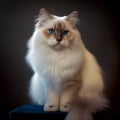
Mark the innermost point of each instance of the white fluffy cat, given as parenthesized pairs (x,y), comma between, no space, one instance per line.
(66,75)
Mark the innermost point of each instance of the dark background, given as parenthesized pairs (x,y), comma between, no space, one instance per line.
(99,26)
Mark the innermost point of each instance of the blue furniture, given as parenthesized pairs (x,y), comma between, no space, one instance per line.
(34,112)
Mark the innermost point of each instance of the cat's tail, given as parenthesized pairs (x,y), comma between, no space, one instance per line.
(90,97)
(84,108)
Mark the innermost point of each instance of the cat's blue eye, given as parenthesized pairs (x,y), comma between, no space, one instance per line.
(51,31)
(65,33)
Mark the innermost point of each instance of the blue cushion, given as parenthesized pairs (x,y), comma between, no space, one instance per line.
(34,112)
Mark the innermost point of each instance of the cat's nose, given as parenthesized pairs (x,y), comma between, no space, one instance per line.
(59,40)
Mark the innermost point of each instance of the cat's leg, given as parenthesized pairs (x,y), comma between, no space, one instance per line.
(51,98)
(36,90)
(67,97)
(52,101)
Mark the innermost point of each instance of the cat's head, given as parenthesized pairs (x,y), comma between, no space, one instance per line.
(58,32)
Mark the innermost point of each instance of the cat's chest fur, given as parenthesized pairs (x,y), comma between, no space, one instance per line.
(58,65)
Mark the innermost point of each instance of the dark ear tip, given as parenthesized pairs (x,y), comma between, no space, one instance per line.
(75,13)
(43,11)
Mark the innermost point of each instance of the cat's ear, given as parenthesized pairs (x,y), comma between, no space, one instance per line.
(44,15)
(44,12)
(72,18)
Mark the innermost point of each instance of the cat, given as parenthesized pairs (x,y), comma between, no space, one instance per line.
(66,76)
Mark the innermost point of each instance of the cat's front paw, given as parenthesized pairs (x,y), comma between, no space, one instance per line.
(64,107)
(50,107)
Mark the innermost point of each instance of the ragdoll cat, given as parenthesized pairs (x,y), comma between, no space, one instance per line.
(66,75)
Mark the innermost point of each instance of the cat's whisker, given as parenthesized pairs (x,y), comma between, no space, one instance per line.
(73,45)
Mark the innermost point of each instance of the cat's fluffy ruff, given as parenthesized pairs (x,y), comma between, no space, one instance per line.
(67,75)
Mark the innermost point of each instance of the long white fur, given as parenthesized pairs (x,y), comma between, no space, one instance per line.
(54,69)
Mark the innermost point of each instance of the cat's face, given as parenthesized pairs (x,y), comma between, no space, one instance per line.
(58,32)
